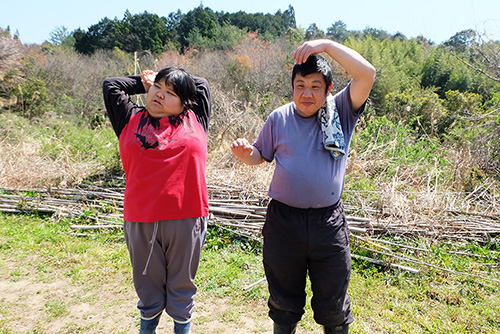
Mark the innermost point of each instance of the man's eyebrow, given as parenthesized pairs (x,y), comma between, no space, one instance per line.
(314,81)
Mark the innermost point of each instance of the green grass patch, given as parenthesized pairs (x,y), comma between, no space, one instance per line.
(384,299)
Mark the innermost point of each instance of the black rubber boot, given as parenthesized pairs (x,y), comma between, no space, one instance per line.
(284,329)
(149,326)
(337,330)
(182,328)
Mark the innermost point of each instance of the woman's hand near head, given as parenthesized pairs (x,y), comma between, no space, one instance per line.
(148,79)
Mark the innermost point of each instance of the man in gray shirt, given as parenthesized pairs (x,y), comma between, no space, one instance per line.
(306,230)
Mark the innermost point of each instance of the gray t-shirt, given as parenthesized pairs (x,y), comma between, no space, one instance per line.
(306,175)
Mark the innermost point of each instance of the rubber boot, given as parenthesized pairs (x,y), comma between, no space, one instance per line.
(284,329)
(182,328)
(149,326)
(337,330)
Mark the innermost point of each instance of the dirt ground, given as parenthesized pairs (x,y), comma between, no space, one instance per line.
(32,305)
(28,306)
(112,311)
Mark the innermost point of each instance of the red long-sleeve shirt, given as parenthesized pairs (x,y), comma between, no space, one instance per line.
(163,158)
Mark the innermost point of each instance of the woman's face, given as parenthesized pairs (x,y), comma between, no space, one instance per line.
(163,101)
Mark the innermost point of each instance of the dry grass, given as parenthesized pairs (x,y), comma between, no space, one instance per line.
(415,199)
(22,166)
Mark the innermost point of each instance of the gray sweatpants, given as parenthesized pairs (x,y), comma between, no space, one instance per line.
(165,256)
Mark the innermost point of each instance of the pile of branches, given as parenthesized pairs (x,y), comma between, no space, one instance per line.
(243,212)
(440,216)
(95,208)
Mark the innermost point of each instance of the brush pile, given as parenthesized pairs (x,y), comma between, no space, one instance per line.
(243,212)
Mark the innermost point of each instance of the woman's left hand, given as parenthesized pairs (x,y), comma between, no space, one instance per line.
(148,79)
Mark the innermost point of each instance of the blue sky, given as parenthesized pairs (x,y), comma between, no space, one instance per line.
(436,20)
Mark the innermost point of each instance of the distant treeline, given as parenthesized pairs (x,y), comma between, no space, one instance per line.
(200,28)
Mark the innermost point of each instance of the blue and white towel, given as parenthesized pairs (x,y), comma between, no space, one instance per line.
(333,137)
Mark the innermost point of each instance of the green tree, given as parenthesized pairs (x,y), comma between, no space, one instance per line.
(200,20)
(420,109)
(62,36)
(461,40)
(173,23)
(444,72)
(150,30)
(398,65)
(337,31)
(269,26)
(103,35)
(476,52)
(376,33)
(33,97)
(201,26)
(313,32)
(288,18)
(227,37)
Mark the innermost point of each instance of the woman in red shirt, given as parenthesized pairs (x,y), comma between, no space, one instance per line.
(163,148)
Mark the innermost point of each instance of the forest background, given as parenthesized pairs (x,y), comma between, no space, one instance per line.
(437,106)
(428,140)
(442,95)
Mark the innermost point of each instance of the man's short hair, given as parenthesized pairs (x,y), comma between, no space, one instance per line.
(314,64)
(182,83)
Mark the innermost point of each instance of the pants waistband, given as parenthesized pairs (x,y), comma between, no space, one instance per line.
(319,210)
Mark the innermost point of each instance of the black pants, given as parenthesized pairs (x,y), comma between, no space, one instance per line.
(301,241)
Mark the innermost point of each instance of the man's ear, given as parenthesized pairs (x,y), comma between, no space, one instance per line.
(329,89)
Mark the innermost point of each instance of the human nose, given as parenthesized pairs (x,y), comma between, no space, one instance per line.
(160,94)
(307,92)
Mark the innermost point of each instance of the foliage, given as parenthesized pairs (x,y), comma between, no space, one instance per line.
(139,32)
(63,37)
(201,27)
(477,129)
(422,110)
(33,97)
(477,52)
(11,51)
(224,37)
(75,80)
(338,31)
(406,147)
(424,88)
(398,64)
(268,26)
(313,32)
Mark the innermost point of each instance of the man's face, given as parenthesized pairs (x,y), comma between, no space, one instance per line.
(309,93)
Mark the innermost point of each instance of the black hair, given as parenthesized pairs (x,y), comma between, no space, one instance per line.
(314,64)
(182,83)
